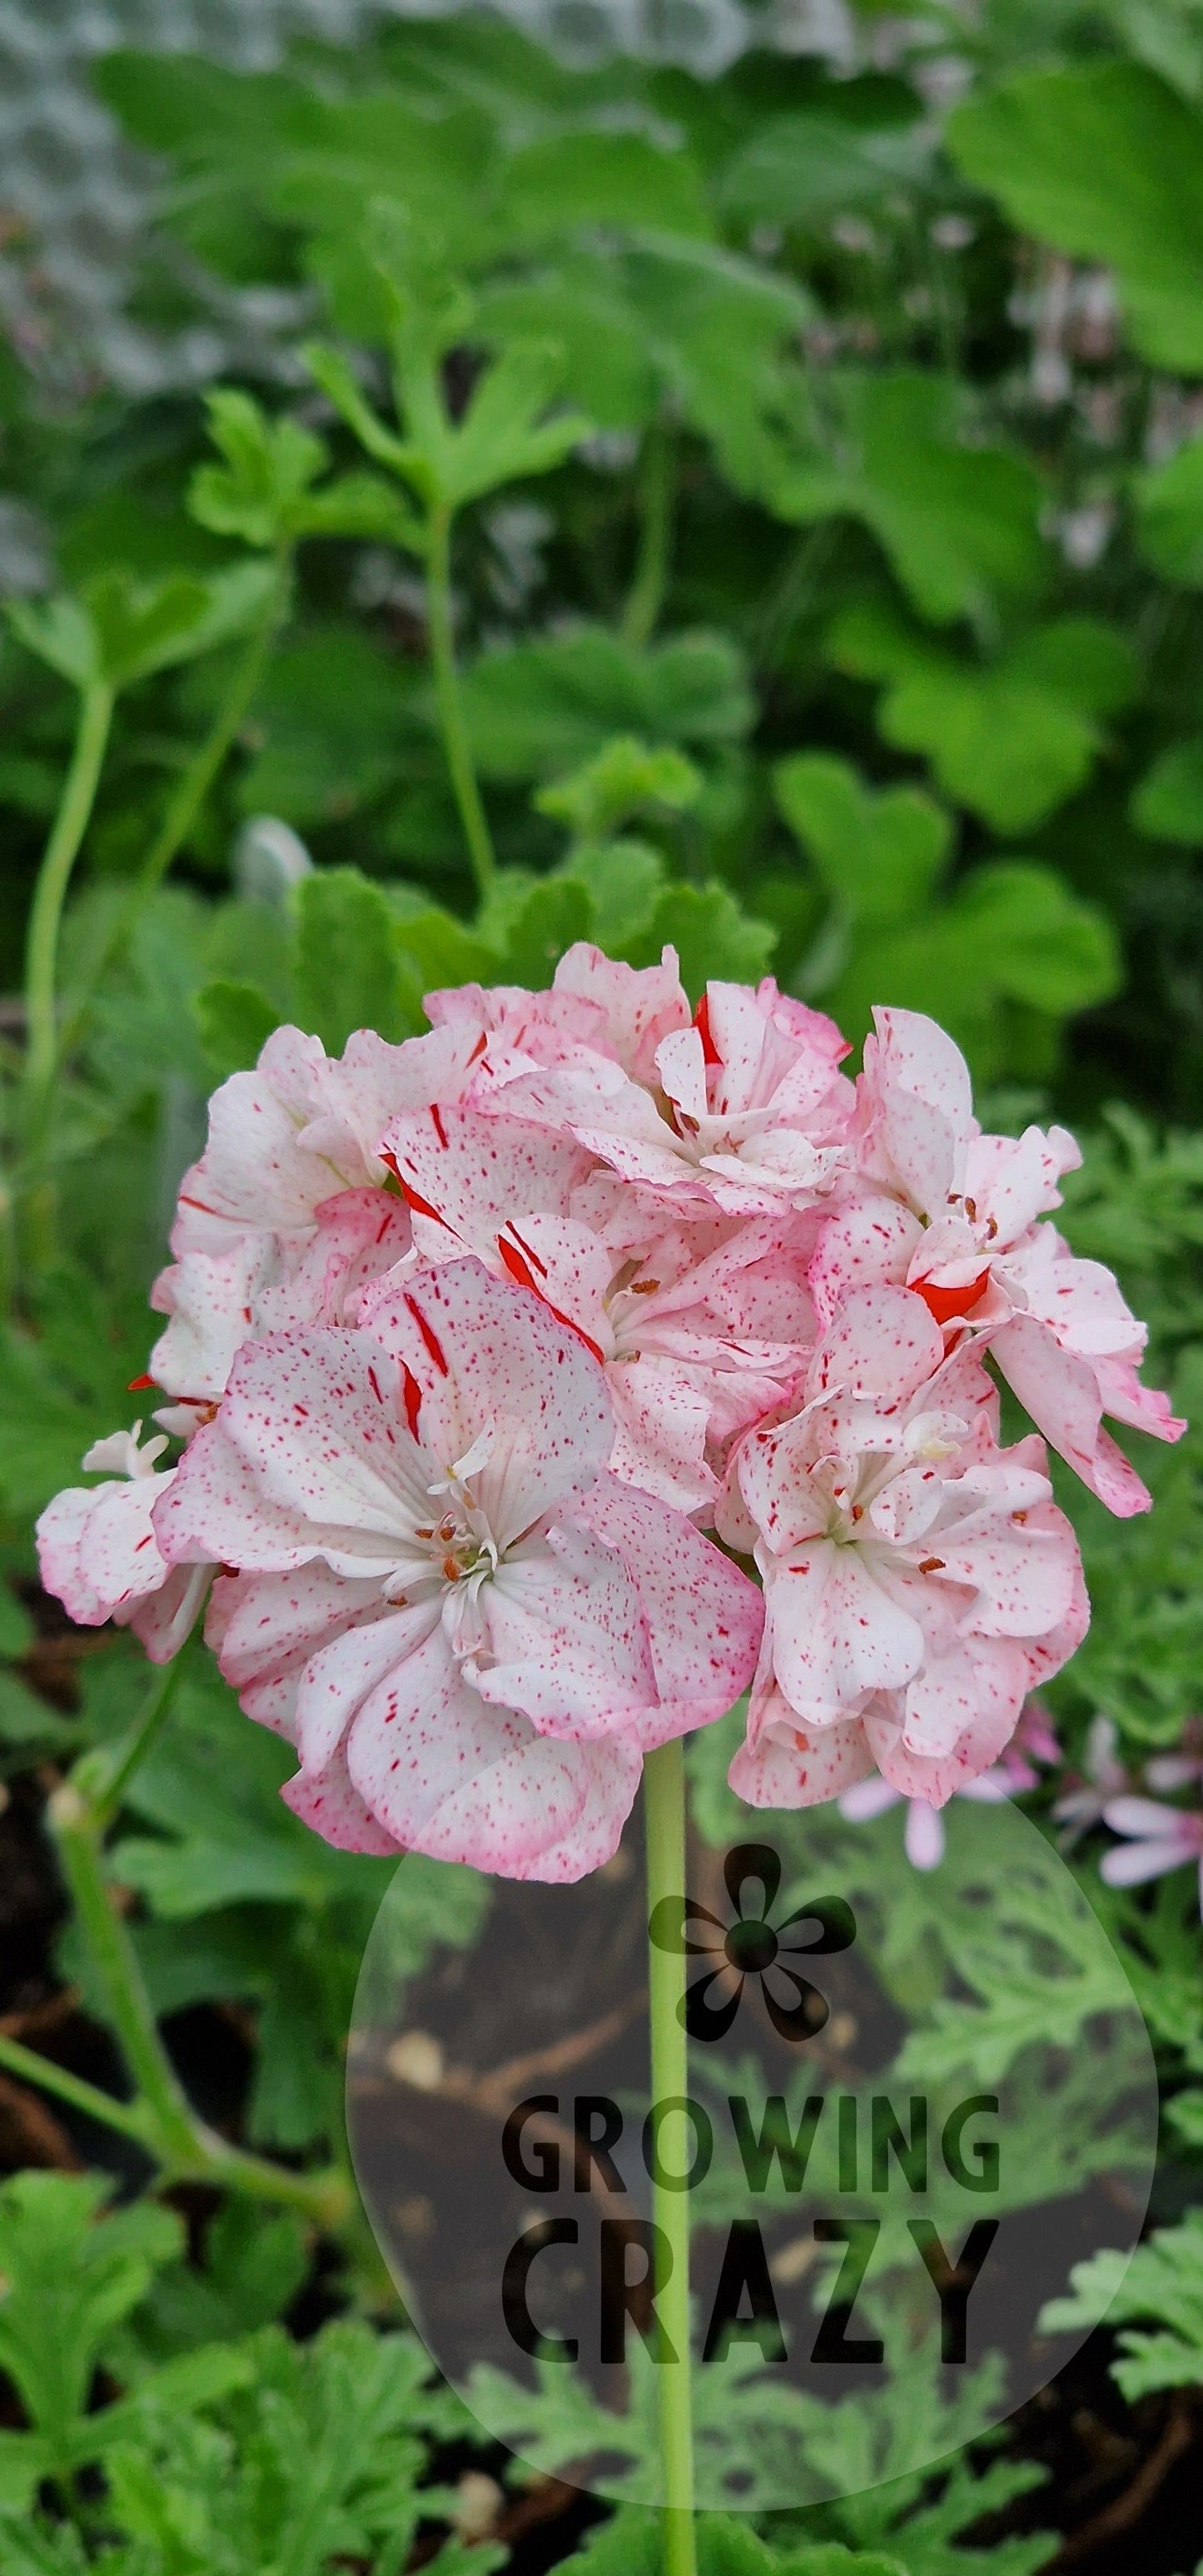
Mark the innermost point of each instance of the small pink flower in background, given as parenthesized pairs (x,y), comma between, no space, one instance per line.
(923,1833)
(1104,1776)
(1157,1839)
(468,1627)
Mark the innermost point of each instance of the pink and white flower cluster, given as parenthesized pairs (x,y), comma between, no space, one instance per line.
(493,1352)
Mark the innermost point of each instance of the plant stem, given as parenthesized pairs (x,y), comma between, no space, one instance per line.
(190,793)
(111,1784)
(664,1824)
(646,596)
(160,2117)
(54,876)
(113,1955)
(451,705)
(126,2117)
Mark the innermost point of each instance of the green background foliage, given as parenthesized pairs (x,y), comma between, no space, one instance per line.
(763,513)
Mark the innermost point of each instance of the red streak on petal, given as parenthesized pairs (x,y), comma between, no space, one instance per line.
(946,1303)
(518,1270)
(419,1206)
(200,1204)
(429,1336)
(517,1266)
(701,1022)
(374,1383)
(439,1129)
(480,1046)
(413,1399)
(532,1256)
(579,1329)
(137,1384)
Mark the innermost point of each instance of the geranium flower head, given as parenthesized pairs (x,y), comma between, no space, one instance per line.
(471,1341)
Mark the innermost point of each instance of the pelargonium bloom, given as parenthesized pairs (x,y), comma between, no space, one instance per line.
(763,1300)
(1157,1838)
(955,1215)
(923,1832)
(701,1327)
(745,1109)
(918,1580)
(99,1554)
(469,1628)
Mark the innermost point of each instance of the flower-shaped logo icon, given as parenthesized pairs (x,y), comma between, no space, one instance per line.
(750,1945)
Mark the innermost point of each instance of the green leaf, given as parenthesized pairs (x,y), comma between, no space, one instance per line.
(235,1021)
(346,967)
(958,522)
(264,491)
(807,165)
(555,913)
(60,632)
(1185,2114)
(537,709)
(666,324)
(711,934)
(626,182)
(341,386)
(435,949)
(1045,946)
(255,2261)
(1010,932)
(337,724)
(625,778)
(503,436)
(17,1628)
(1103,161)
(1009,739)
(624,881)
(120,630)
(1164,2281)
(269,466)
(723,333)
(69,2278)
(880,856)
(25,1721)
(1168,804)
(1169,516)
(39,2549)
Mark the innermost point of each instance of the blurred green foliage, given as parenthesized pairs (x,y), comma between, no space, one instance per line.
(763,513)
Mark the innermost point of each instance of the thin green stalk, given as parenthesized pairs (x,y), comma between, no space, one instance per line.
(451,705)
(325,2198)
(54,876)
(664,1824)
(116,1963)
(128,2118)
(190,794)
(112,1782)
(657,481)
